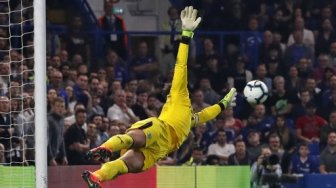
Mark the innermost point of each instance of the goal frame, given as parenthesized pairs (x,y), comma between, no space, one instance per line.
(41,140)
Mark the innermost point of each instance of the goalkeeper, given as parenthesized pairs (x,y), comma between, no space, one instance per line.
(152,139)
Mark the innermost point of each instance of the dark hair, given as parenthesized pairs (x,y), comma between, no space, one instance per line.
(93,77)
(303,144)
(95,115)
(58,100)
(238,140)
(211,158)
(172,8)
(79,111)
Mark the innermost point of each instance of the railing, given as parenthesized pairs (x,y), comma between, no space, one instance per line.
(220,39)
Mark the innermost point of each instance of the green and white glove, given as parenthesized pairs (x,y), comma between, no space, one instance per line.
(230,99)
(189,21)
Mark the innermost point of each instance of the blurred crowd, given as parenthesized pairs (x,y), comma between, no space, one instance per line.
(295,43)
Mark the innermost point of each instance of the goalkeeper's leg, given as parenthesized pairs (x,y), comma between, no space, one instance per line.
(132,161)
(133,139)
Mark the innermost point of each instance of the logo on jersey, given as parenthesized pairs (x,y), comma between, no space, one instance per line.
(149,135)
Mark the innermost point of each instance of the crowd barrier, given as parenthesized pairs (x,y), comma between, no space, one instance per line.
(156,177)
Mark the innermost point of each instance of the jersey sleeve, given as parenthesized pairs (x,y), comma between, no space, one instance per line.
(206,115)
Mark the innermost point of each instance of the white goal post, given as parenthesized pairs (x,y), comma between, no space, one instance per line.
(41,139)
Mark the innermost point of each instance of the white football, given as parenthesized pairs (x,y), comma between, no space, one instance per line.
(255,92)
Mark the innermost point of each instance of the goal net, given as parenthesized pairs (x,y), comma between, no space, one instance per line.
(17,112)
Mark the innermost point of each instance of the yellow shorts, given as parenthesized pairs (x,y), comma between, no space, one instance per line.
(159,140)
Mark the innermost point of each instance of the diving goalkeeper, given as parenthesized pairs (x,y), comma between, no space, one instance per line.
(150,140)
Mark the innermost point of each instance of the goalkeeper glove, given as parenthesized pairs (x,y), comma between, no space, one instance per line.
(189,21)
(230,99)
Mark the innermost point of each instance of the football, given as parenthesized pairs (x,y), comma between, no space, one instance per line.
(255,92)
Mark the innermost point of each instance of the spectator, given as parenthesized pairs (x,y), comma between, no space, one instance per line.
(210,95)
(69,120)
(71,100)
(261,74)
(169,43)
(92,135)
(6,129)
(231,124)
(221,148)
(101,129)
(262,122)
(253,144)
(80,90)
(143,65)
(297,50)
(251,42)
(308,126)
(278,23)
(119,111)
(299,109)
(118,64)
(333,53)
(240,157)
(208,52)
(328,158)
(293,82)
(76,41)
(281,100)
(324,83)
(308,38)
(199,137)
(56,82)
(327,129)
(325,37)
(197,158)
(113,130)
(287,136)
(64,56)
(110,23)
(140,108)
(326,96)
(72,77)
(274,66)
(212,160)
(212,70)
(56,147)
(102,74)
(76,141)
(304,67)
(132,85)
(154,106)
(312,87)
(2,154)
(198,103)
(302,163)
(323,62)
(96,107)
(268,45)
(51,95)
(240,75)
(93,85)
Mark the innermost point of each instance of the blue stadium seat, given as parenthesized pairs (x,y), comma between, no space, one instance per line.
(314,148)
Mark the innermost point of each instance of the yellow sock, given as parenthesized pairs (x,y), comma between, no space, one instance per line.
(111,170)
(119,142)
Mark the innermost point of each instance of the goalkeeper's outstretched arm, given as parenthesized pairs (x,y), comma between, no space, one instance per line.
(213,111)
